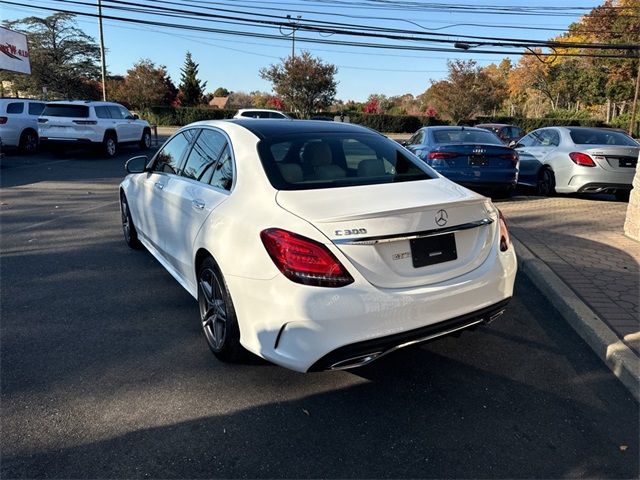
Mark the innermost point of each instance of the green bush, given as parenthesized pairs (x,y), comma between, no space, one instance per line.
(393,123)
(169,116)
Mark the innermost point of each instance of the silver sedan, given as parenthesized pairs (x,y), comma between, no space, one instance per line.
(578,160)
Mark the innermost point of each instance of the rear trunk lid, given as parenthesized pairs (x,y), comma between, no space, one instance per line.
(465,155)
(398,236)
(614,158)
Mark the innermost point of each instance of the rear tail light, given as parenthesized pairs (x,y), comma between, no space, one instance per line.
(43,120)
(513,156)
(441,155)
(582,159)
(3,120)
(505,241)
(303,260)
(85,122)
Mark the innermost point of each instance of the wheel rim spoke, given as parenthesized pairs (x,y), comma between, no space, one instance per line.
(212,309)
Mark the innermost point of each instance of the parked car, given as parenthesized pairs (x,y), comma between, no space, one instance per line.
(316,245)
(104,124)
(260,113)
(578,159)
(506,133)
(472,157)
(19,123)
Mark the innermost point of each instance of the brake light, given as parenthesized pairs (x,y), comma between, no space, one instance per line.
(3,120)
(303,260)
(85,122)
(441,155)
(513,156)
(582,159)
(505,241)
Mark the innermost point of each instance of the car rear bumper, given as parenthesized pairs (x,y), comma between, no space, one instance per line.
(66,141)
(477,178)
(310,328)
(598,181)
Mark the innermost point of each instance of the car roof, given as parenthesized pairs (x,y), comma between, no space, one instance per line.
(273,127)
(19,99)
(258,110)
(480,125)
(81,102)
(452,127)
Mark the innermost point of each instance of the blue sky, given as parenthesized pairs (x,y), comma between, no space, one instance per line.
(234,62)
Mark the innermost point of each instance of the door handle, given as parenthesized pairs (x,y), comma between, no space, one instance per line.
(159,185)
(197,204)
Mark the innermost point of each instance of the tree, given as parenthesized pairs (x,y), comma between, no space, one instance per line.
(146,85)
(64,59)
(304,83)
(191,87)
(466,92)
(221,92)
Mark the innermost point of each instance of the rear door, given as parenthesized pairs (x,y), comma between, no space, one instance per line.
(204,182)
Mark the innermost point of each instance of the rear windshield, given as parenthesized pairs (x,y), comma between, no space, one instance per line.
(61,110)
(600,137)
(465,136)
(329,160)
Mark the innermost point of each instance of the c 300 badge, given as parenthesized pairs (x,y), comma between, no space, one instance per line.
(350,231)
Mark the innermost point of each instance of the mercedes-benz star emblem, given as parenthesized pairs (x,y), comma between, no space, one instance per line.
(442,218)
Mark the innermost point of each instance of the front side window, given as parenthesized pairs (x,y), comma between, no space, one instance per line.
(327,160)
(15,107)
(35,108)
(203,156)
(125,113)
(116,112)
(446,136)
(64,110)
(222,174)
(168,159)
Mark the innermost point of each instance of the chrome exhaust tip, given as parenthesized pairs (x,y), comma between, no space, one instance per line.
(494,316)
(355,361)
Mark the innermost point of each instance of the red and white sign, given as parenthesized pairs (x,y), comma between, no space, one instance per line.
(14,51)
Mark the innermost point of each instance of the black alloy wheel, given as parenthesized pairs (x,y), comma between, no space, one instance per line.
(546,186)
(128,228)
(217,315)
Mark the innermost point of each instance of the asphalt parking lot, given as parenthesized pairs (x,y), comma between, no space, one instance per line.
(104,372)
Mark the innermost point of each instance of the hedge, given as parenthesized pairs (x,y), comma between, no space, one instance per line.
(383,123)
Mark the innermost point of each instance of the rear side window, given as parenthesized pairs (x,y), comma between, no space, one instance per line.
(255,114)
(35,108)
(600,137)
(328,160)
(465,136)
(102,112)
(203,156)
(168,159)
(223,171)
(15,107)
(63,110)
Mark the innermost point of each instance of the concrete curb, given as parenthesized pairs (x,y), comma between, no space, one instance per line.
(622,361)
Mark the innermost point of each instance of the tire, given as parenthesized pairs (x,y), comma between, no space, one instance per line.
(546,185)
(110,145)
(217,315)
(145,141)
(28,142)
(623,195)
(128,228)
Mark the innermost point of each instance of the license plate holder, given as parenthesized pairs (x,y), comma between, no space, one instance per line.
(478,161)
(624,162)
(433,250)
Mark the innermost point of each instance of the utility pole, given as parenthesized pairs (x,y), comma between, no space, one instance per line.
(103,64)
(294,27)
(634,107)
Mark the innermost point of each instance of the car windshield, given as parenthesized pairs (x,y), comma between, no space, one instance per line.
(62,110)
(595,136)
(465,136)
(329,160)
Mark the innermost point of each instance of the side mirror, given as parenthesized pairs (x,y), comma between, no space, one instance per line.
(404,143)
(513,144)
(136,117)
(137,164)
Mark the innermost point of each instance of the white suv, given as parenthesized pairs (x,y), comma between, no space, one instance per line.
(19,123)
(94,123)
(260,113)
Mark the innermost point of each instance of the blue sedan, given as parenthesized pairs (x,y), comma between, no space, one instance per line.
(472,157)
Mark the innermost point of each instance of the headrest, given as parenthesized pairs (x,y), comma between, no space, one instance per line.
(371,168)
(317,154)
(291,172)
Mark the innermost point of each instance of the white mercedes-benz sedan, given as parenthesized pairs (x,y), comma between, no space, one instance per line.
(316,245)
